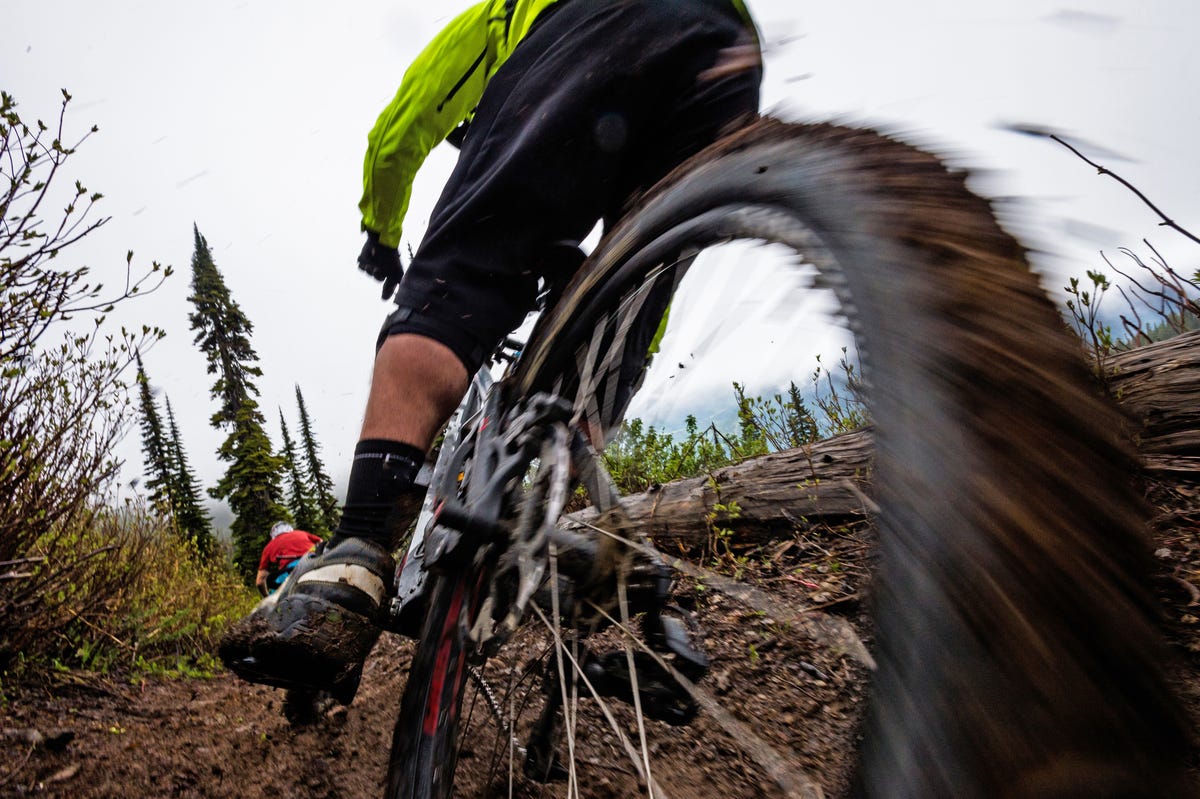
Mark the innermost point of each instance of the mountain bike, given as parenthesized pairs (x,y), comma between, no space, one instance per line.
(1016,650)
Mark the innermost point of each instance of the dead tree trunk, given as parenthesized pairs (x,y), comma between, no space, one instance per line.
(1159,385)
(828,483)
(822,483)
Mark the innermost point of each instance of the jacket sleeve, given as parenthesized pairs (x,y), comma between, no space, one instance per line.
(264,562)
(439,90)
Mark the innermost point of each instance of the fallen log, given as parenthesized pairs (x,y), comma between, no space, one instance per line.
(1159,386)
(758,498)
(828,482)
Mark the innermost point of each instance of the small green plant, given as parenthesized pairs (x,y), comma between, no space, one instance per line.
(641,457)
(202,665)
(1159,304)
(721,538)
(844,409)
(1083,306)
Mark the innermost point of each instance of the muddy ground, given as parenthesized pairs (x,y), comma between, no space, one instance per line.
(84,736)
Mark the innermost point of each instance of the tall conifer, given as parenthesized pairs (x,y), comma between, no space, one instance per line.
(320,487)
(299,500)
(154,445)
(190,516)
(251,484)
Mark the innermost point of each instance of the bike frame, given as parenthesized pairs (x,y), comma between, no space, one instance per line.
(411,573)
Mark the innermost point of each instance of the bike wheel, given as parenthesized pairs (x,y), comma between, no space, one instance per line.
(447,701)
(1017,645)
(425,740)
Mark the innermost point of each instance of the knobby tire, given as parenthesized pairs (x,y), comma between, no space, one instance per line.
(425,740)
(1016,640)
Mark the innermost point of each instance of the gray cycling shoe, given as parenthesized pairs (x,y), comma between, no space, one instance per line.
(317,629)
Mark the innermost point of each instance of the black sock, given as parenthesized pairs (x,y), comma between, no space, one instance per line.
(381,502)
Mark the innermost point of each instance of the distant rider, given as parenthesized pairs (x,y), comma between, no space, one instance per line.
(279,556)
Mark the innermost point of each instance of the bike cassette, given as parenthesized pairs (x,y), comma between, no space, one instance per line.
(660,694)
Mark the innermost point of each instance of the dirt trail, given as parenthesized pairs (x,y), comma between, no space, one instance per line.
(192,738)
(224,738)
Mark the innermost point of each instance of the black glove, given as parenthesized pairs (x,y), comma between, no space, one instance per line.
(382,263)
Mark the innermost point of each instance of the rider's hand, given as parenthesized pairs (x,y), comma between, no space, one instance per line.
(382,263)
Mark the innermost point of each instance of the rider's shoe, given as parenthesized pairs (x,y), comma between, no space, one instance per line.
(316,631)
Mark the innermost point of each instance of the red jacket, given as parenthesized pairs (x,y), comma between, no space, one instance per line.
(285,548)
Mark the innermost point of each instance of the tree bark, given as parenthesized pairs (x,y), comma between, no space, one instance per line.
(828,482)
(758,498)
(1159,386)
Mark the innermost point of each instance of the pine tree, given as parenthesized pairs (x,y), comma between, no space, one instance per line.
(251,484)
(304,512)
(154,445)
(320,487)
(174,489)
(190,516)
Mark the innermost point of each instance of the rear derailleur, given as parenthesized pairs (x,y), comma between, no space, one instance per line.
(659,683)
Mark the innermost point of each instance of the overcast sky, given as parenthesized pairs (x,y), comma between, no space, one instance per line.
(249,119)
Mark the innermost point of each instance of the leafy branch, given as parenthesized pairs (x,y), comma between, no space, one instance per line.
(34,296)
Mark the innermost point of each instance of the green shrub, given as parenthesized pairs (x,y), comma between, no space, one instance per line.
(640,457)
(141,600)
(63,396)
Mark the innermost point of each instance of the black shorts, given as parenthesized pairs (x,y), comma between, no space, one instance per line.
(598,102)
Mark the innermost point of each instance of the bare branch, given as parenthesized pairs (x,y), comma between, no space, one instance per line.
(1103,170)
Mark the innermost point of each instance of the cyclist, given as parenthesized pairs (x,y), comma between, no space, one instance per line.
(280,555)
(563,111)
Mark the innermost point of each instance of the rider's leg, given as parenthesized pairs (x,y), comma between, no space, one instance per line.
(417,384)
(323,621)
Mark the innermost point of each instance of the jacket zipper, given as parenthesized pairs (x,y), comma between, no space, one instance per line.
(462,81)
(509,8)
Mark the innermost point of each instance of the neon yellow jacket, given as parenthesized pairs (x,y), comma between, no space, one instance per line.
(439,91)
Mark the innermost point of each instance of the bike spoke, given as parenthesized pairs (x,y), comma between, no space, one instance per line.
(573,785)
(623,604)
(773,763)
(630,750)
(826,629)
